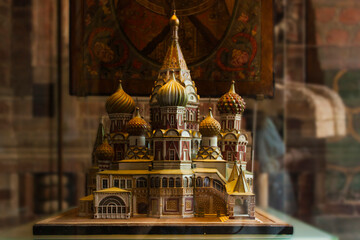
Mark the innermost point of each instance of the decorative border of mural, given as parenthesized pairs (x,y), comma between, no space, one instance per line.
(263,85)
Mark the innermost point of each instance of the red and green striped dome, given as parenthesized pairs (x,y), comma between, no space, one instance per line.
(231,102)
(120,102)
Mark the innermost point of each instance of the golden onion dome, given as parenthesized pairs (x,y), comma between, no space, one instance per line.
(120,102)
(231,102)
(172,93)
(137,126)
(174,21)
(104,151)
(209,127)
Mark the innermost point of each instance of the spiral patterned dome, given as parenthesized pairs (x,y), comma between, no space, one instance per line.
(209,127)
(137,126)
(120,102)
(231,102)
(104,151)
(172,93)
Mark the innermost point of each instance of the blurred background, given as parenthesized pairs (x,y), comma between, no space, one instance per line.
(307,142)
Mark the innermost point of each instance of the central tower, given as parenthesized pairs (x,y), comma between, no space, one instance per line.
(174,116)
(174,62)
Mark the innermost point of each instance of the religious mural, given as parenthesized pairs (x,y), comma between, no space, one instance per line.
(221,40)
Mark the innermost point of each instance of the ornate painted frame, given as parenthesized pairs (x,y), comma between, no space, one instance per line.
(252,69)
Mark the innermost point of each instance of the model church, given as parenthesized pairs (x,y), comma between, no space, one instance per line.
(176,166)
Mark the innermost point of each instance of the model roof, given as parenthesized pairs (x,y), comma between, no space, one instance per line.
(112,190)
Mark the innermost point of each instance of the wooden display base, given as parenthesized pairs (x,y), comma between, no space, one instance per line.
(69,223)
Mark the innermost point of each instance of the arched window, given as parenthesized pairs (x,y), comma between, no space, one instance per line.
(191,182)
(199,182)
(229,156)
(112,207)
(185,182)
(164,182)
(172,154)
(171,182)
(172,120)
(119,155)
(178,182)
(152,182)
(104,183)
(141,183)
(207,182)
(157,182)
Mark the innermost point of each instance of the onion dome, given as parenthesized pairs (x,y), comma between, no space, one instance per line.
(137,126)
(231,102)
(120,102)
(104,154)
(172,93)
(209,127)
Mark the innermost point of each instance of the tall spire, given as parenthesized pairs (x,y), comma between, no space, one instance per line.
(174,23)
(232,88)
(234,173)
(99,138)
(174,59)
(241,185)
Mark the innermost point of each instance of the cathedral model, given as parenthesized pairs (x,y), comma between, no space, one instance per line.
(177,166)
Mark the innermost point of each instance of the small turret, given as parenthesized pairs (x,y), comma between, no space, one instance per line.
(231,102)
(209,127)
(104,155)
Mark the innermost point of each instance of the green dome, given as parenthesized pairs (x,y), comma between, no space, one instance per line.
(172,93)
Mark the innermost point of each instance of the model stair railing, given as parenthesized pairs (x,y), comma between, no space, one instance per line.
(179,191)
(171,191)
(211,190)
(224,218)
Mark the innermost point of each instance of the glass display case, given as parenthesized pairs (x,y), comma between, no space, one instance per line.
(304,140)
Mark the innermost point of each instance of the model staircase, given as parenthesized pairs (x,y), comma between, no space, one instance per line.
(224,218)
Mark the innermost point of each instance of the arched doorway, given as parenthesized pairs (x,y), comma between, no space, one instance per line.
(112,207)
